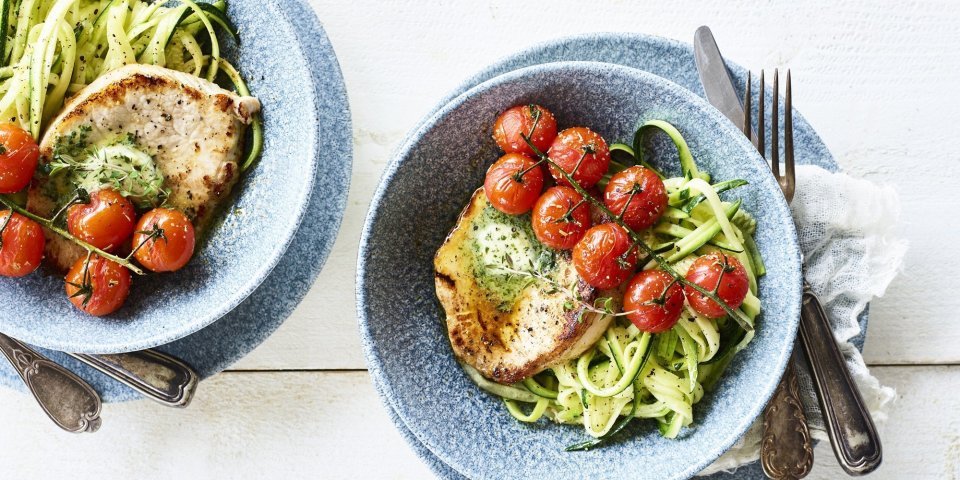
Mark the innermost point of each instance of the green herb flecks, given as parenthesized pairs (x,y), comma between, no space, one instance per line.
(122,166)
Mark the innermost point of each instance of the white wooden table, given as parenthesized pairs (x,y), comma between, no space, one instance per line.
(879,80)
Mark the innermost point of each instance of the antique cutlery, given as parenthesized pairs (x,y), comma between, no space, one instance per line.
(786,451)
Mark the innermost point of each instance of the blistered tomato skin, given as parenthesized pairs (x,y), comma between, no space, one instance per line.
(709,270)
(653,301)
(560,218)
(106,222)
(638,195)
(19,154)
(532,121)
(513,184)
(582,153)
(22,248)
(164,240)
(99,287)
(605,257)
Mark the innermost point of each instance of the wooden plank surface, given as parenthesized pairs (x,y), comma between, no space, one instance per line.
(331,425)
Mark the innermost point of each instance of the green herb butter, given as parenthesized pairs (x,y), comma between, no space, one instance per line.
(121,165)
(506,255)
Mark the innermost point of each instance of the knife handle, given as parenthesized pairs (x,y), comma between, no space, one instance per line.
(156,375)
(852,433)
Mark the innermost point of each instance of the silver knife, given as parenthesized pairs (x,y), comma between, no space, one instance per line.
(786,450)
(852,433)
(716,79)
(156,375)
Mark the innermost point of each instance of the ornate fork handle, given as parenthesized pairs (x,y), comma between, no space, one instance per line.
(852,433)
(786,451)
(156,375)
(69,401)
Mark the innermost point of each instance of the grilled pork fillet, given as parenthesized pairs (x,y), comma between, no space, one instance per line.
(510,326)
(192,129)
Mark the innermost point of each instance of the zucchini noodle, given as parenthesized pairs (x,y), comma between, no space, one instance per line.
(632,374)
(54,48)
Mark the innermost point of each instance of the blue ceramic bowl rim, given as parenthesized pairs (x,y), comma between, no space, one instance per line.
(642,38)
(373,357)
(180,328)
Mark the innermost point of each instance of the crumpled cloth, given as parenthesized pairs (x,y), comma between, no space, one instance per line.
(845,226)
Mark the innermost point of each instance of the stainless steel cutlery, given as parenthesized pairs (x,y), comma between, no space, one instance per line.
(74,405)
(786,451)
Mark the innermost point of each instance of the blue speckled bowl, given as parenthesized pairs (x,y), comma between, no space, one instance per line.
(424,189)
(258,225)
(665,57)
(222,343)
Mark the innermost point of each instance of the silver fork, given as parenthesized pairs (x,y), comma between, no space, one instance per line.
(852,433)
(786,449)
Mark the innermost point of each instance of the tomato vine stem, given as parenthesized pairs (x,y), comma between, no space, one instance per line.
(65,234)
(743,322)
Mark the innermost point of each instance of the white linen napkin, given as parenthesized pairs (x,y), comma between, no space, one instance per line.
(851,255)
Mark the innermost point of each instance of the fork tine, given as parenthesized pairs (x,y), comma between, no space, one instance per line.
(746,107)
(775,126)
(790,182)
(761,145)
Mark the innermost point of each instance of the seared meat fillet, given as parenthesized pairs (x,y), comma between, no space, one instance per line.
(192,129)
(509,312)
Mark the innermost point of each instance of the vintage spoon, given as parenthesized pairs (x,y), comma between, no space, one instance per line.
(68,400)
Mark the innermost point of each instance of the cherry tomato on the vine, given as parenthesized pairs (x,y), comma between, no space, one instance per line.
(560,218)
(106,222)
(164,240)
(605,257)
(98,286)
(531,121)
(18,158)
(719,273)
(22,244)
(638,195)
(582,153)
(513,183)
(653,301)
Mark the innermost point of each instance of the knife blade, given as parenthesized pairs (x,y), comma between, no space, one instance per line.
(715,78)
(786,450)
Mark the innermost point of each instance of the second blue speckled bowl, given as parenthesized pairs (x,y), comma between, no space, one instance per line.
(257,227)
(420,195)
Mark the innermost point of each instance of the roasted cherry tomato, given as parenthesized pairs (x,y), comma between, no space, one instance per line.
(582,153)
(720,273)
(98,286)
(18,158)
(532,121)
(164,240)
(638,195)
(605,256)
(513,183)
(653,301)
(560,218)
(106,222)
(22,244)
